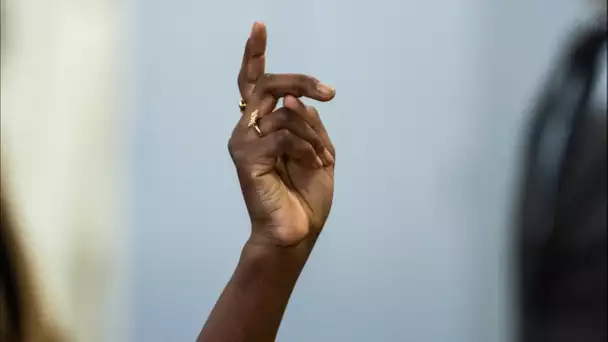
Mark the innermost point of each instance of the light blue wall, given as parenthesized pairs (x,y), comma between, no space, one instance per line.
(431,96)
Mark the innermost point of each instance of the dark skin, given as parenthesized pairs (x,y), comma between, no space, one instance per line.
(287,180)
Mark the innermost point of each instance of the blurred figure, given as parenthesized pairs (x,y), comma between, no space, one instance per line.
(61,82)
(22,317)
(563,222)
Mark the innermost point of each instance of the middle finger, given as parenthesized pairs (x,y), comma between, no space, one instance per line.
(271,87)
(285,118)
(297,85)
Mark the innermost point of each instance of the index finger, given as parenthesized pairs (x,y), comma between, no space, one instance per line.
(254,60)
(271,87)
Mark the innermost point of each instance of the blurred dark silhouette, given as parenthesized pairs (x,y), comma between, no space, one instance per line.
(562,255)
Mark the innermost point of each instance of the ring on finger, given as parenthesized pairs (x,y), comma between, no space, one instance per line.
(242,105)
(253,122)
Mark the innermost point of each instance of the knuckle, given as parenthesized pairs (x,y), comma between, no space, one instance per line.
(263,83)
(235,152)
(293,87)
(265,78)
(305,82)
(311,136)
(284,138)
(317,142)
(313,111)
(297,91)
(315,118)
(308,149)
(230,144)
(305,79)
(284,134)
(280,117)
(311,83)
(273,121)
(240,158)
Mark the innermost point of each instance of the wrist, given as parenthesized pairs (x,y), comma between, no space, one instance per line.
(262,248)
(272,264)
(273,237)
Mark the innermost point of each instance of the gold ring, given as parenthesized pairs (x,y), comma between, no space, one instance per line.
(242,105)
(253,122)
(257,129)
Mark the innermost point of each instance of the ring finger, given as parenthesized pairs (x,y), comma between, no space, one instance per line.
(286,119)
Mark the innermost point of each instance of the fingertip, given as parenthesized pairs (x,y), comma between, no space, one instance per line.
(291,102)
(254,27)
(319,163)
(327,92)
(258,30)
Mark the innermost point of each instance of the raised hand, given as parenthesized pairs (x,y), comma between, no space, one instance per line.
(286,169)
(285,163)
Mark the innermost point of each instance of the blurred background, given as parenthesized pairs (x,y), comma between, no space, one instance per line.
(64,85)
(115,118)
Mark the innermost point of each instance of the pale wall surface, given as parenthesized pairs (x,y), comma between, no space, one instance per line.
(431,100)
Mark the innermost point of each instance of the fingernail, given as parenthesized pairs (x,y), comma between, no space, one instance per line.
(319,163)
(328,157)
(253,28)
(288,101)
(324,89)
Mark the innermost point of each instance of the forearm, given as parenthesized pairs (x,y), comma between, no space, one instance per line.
(252,304)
